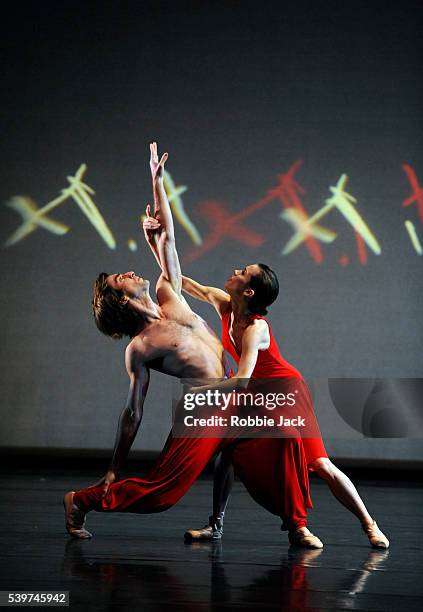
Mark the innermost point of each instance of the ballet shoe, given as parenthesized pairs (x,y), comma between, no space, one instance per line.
(304,538)
(376,538)
(211,532)
(74,518)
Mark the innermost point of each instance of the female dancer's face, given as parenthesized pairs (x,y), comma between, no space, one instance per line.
(239,281)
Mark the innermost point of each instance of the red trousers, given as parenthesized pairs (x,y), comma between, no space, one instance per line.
(273,470)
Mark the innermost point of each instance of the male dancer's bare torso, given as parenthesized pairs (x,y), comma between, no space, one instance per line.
(180,343)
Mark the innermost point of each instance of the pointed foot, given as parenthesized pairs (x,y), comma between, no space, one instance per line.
(376,538)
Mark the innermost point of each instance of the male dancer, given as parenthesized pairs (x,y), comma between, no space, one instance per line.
(169,337)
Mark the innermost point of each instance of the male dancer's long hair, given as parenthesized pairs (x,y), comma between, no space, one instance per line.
(266,290)
(112,317)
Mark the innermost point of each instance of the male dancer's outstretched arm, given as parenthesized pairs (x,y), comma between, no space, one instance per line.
(166,253)
(152,233)
(129,420)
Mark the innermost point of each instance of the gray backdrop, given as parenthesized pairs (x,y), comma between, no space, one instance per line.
(237,92)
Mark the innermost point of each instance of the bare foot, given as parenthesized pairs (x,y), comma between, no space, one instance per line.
(74,518)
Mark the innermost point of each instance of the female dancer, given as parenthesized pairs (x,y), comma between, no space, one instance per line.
(246,335)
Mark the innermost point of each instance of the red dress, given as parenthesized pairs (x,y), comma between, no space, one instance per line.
(271,364)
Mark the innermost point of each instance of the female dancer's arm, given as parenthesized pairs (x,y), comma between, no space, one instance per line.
(255,337)
(217,298)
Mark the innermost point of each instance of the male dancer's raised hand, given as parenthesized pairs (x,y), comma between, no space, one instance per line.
(156,166)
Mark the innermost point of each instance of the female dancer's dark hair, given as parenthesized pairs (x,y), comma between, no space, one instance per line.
(266,290)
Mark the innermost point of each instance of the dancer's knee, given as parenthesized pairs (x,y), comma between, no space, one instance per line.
(323,467)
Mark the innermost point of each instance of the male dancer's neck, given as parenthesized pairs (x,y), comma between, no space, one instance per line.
(147,310)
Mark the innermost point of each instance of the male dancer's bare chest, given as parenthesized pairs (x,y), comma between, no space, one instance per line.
(183,344)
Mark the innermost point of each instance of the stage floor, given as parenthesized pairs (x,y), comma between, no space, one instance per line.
(141,561)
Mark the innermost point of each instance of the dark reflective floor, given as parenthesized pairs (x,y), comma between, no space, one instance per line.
(141,562)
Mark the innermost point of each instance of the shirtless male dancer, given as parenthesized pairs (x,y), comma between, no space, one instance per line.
(169,337)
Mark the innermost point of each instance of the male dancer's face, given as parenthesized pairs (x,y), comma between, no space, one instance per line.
(239,281)
(129,283)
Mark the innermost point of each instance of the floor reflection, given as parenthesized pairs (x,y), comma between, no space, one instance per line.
(207,579)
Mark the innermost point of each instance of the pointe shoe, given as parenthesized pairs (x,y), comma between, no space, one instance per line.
(211,532)
(304,538)
(74,518)
(376,538)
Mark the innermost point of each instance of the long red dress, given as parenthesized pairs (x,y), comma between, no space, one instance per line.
(273,470)
(271,364)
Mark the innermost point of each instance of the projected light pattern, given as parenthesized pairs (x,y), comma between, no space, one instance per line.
(223,224)
(178,209)
(34,217)
(341,200)
(417,194)
(305,227)
(413,237)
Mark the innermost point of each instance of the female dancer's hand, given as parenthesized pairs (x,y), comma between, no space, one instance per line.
(151,226)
